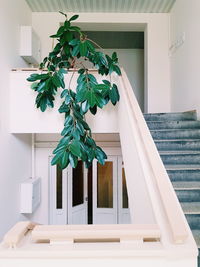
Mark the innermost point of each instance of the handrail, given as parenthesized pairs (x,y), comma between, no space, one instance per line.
(17,232)
(167,194)
(91,233)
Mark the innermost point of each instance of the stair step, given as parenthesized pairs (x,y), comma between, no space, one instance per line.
(175,134)
(191,208)
(177,116)
(196,234)
(178,167)
(186,173)
(188,195)
(189,185)
(168,145)
(161,125)
(193,221)
(181,158)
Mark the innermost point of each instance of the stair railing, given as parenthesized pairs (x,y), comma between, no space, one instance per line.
(173,211)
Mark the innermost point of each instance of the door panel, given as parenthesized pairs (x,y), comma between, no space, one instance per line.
(104,188)
(77,195)
(57,194)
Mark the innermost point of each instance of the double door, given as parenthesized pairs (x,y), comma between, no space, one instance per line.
(76,198)
(110,198)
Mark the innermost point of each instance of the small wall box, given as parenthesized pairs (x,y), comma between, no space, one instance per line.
(29,45)
(30,195)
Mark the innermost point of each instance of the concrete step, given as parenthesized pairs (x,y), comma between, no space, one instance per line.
(177,116)
(193,221)
(188,185)
(191,208)
(183,173)
(188,195)
(177,158)
(196,234)
(175,134)
(161,125)
(169,145)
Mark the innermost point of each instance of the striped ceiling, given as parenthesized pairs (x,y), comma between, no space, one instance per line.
(113,6)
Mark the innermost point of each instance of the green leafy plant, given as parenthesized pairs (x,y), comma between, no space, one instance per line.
(72,50)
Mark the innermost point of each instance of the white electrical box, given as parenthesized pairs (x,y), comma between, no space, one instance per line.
(30,195)
(29,45)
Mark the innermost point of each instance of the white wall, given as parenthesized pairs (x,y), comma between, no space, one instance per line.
(51,121)
(185,61)
(156,26)
(15,153)
(132,60)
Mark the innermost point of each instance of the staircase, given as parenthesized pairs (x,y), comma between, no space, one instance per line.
(177,137)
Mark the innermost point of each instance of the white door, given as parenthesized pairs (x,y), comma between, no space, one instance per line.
(104,192)
(68,195)
(77,195)
(110,199)
(57,195)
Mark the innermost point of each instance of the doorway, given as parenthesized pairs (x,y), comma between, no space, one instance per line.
(84,196)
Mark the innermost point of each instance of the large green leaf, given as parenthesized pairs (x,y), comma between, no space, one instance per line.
(81,95)
(74,42)
(63,108)
(64,161)
(60,31)
(114,94)
(73,160)
(64,141)
(75,148)
(85,106)
(91,98)
(67,130)
(100,101)
(117,69)
(75,51)
(83,48)
(74,17)
(56,158)
(68,120)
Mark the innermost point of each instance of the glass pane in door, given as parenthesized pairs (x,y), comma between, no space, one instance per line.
(59,187)
(105,185)
(78,185)
(124,191)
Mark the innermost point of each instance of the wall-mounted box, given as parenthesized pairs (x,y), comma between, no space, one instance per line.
(29,45)
(30,195)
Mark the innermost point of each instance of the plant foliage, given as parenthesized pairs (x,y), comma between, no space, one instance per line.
(73,48)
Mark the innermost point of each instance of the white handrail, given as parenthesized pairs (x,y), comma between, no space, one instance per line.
(74,233)
(17,232)
(167,194)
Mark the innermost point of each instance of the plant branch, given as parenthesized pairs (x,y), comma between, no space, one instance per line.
(94,43)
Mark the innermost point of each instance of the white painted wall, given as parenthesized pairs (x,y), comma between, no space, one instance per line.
(22,97)
(132,60)
(156,27)
(185,62)
(15,153)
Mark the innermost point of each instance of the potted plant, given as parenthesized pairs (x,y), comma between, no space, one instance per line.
(72,50)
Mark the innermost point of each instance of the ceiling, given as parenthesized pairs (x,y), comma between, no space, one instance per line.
(113,6)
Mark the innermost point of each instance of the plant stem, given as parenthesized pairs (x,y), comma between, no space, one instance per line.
(94,43)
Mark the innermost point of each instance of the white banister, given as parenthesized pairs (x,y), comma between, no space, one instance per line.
(17,232)
(170,203)
(98,233)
